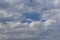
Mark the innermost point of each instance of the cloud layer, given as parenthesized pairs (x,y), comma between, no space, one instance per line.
(29,19)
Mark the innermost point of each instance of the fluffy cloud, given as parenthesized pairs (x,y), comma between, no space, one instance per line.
(25,30)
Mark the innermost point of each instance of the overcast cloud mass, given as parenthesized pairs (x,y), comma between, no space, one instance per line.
(29,19)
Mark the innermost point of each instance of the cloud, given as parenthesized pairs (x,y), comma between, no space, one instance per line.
(38,16)
(25,30)
(9,16)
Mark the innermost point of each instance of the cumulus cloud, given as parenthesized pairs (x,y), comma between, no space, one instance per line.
(25,30)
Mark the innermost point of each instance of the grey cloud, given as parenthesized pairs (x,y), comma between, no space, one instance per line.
(26,30)
(11,12)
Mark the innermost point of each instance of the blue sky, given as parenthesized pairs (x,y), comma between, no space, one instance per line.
(29,19)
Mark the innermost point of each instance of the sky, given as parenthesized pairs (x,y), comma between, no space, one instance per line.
(29,19)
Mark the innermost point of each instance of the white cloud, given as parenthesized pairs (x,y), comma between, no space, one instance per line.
(6,15)
(27,29)
(52,14)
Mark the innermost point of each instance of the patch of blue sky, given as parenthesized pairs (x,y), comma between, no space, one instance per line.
(33,16)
